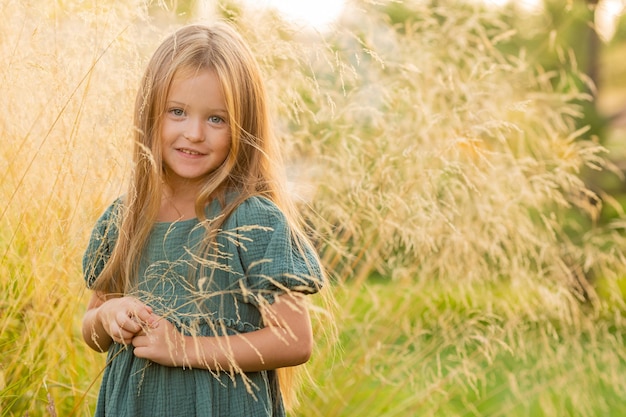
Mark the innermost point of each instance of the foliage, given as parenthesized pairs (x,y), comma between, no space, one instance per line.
(448,148)
(484,350)
(423,152)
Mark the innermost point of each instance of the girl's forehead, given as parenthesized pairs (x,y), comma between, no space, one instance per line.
(198,89)
(188,72)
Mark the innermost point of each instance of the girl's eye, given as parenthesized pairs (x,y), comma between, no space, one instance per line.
(177,112)
(216,119)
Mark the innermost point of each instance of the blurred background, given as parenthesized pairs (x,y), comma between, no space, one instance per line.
(460,162)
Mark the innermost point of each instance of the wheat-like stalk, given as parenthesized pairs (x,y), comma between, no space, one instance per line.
(440,175)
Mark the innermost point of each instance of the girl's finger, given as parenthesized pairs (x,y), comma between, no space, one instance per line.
(139,341)
(145,317)
(123,338)
(128,323)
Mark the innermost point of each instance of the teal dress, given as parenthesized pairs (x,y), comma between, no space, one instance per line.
(255,259)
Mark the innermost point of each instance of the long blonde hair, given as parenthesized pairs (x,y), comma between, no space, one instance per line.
(253,166)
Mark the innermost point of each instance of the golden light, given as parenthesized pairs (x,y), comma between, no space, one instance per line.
(607,15)
(317,14)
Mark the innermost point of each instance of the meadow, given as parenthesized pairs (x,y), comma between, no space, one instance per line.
(471,270)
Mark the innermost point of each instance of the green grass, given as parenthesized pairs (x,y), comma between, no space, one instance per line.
(443,177)
(435,352)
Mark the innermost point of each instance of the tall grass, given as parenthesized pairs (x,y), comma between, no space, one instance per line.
(67,77)
(442,176)
(453,171)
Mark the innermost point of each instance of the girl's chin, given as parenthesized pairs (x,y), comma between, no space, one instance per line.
(174,179)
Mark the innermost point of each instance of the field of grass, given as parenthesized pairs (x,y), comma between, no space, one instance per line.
(471,275)
(476,352)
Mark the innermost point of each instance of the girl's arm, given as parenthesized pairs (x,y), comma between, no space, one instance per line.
(114,320)
(286,340)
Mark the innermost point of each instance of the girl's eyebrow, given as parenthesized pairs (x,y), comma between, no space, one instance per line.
(181,104)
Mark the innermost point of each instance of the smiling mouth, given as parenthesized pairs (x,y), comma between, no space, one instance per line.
(189,152)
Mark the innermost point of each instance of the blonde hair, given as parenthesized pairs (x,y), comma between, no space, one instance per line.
(252,167)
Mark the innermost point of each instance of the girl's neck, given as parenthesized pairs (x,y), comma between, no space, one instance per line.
(178,204)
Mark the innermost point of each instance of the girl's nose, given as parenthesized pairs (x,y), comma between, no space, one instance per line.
(194,131)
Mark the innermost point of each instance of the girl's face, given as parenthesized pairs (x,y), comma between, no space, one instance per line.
(195,133)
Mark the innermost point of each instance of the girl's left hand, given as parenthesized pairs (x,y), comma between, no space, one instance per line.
(162,343)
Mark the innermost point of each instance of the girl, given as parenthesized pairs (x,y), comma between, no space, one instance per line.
(198,272)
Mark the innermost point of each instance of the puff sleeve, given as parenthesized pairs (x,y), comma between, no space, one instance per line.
(101,243)
(274,262)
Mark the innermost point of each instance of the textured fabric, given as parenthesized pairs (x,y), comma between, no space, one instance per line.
(255,260)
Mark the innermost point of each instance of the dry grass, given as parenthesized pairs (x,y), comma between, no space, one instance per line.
(67,99)
(430,159)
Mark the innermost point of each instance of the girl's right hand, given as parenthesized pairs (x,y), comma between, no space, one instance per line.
(123,318)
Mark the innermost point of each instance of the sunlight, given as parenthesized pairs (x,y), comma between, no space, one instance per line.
(607,14)
(527,5)
(318,14)
(606,17)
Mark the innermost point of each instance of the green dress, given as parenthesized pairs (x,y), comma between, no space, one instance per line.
(255,261)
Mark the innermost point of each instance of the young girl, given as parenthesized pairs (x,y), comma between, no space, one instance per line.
(198,272)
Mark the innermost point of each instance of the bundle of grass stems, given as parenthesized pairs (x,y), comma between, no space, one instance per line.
(442,178)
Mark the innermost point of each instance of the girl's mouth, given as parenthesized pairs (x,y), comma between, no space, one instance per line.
(189,151)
